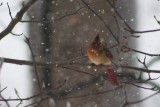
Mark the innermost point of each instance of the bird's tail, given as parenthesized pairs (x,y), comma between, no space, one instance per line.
(112,77)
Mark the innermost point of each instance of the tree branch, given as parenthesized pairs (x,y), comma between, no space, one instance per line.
(101,19)
(17,18)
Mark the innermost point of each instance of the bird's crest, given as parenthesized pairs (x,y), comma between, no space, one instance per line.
(96,42)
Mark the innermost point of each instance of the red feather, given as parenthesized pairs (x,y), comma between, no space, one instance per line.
(112,77)
(108,54)
(96,43)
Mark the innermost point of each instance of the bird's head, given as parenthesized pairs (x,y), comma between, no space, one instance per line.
(96,42)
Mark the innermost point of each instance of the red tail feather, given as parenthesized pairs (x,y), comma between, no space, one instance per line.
(112,77)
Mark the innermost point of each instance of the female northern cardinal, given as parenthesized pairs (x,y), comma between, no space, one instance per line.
(99,55)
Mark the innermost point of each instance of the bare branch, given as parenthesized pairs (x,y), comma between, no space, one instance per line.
(23,99)
(91,93)
(69,14)
(17,18)
(134,50)
(101,19)
(6,101)
(157,20)
(143,63)
(64,16)
(1,3)
(78,71)
(34,21)
(16,34)
(119,15)
(9,11)
(3,89)
(125,96)
(16,92)
(142,100)
(145,31)
(59,64)
(152,88)
(140,69)
(27,40)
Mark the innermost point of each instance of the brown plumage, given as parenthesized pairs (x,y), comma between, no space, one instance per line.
(99,55)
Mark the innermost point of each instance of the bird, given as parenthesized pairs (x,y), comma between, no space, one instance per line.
(99,55)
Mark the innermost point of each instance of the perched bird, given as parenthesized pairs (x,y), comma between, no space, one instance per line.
(98,55)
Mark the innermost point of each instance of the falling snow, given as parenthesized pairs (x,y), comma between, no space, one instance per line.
(69,52)
(43,85)
(53,2)
(82,14)
(79,88)
(95,70)
(47,50)
(51,102)
(34,79)
(52,18)
(68,104)
(132,20)
(102,11)
(89,67)
(71,0)
(32,17)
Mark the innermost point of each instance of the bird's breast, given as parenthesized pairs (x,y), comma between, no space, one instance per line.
(98,57)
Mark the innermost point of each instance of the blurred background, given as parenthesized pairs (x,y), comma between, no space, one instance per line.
(60,32)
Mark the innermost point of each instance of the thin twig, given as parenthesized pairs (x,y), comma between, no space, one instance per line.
(27,40)
(3,89)
(119,15)
(77,70)
(143,63)
(34,21)
(17,18)
(134,50)
(90,94)
(16,34)
(1,3)
(125,96)
(41,21)
(59,64)
(144,31)
(16,92)
(157,20)
(140,69)
(69,14)
(23,99)
(6,101)
(142,100)
(101,19)
(9,11)
(153,88)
